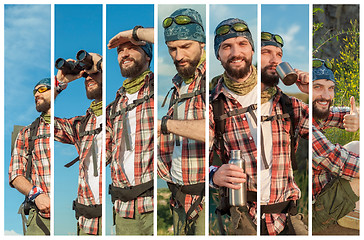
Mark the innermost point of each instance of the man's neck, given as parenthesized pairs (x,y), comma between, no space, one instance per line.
(145,68)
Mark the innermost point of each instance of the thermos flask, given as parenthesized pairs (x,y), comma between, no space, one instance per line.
(238,197)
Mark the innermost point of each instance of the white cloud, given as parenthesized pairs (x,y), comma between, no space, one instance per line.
(11,233)
(166,67)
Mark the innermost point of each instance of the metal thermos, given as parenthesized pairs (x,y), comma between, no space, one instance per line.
(238,197)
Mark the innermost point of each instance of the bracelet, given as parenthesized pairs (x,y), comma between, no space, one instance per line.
(134,35)
(98,65)
(60,86)
(35,192)
(164,129)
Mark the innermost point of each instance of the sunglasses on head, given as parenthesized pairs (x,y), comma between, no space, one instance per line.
(41,89)
(180,20)
(316,63)
(237,27)
(266,36)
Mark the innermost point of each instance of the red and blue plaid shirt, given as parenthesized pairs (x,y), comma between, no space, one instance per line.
(193,152)
(144,148)
(41,158)
(68,131)
(330,160)
(283,186)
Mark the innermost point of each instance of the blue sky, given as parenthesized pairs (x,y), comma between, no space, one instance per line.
(27,44)
(76,27)
(292,23)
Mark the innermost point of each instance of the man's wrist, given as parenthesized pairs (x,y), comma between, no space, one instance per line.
(134,34)
(164,129)
(212,171)
(34,192)
(59,85)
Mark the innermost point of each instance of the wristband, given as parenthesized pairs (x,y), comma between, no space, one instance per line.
(35,192)
(60,86)
(134,34)
(164,129)
(98,65)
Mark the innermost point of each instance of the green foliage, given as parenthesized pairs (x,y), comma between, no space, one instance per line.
(164,216)
(346,70)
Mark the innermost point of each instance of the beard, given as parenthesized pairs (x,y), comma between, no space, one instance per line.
(95,93)
(270,80)
(318,113)
(43,107)
(188,70)
(133,70)
(240,72)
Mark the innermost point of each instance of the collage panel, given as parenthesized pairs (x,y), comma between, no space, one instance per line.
(181,119)
(78,120)
(335,125)
(27,98)
(284,119)
(130,120)
(233,120)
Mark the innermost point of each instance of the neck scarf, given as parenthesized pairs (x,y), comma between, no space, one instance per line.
(96,108)
(133,85)
(267,94)
(46,117)
(202,59)
(241,88)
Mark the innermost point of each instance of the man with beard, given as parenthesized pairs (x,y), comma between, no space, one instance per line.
(283,120)
(181,150)
(233,104)
(129,134)
(85,133)
(335,168)
(30,166)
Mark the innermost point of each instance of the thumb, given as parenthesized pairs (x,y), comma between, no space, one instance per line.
(353,106)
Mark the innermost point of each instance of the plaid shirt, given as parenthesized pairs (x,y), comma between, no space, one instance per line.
(283,187)
(237,136)
(144,148)
(41,156)
(193,152)
(330,160)
(68,131)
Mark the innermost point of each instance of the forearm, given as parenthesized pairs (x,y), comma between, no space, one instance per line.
(22,185)
(192,129)
(146,34)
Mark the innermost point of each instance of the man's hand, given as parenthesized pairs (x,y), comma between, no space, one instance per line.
(227,175)
(68,77)
(123,37)
(351,121)
(303,81)
(95,58)
(43,203)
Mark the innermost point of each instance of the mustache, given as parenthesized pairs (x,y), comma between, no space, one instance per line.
(177,62)
(322,100)
(127,58)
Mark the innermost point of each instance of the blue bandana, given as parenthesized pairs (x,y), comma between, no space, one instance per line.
(44,81)
(322,72)
(231,34)
(191,31)
(148,49)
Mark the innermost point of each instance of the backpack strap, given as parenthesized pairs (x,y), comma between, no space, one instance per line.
(33,135)
(288,113)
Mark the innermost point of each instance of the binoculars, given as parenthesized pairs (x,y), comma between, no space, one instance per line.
(84,62)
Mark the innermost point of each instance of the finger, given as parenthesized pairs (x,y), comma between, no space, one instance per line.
(235,180)
(232,186)
(353,109)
